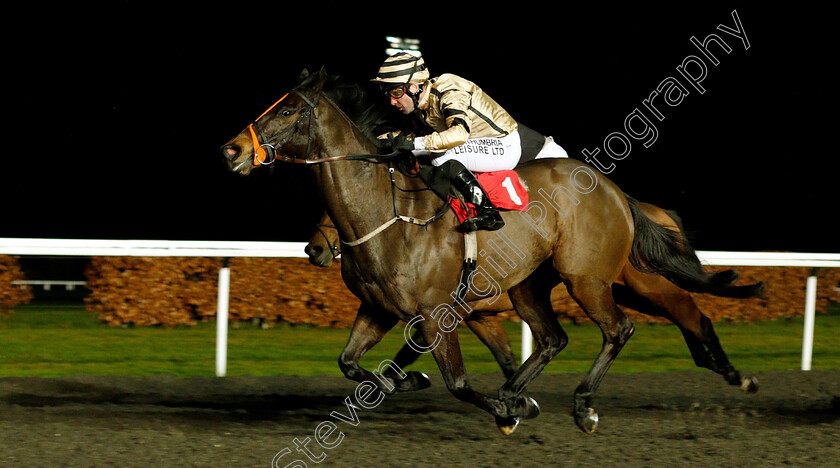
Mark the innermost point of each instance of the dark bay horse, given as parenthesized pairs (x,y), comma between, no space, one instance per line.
(403,272)
(643,292)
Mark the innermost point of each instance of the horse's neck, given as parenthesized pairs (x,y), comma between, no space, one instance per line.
(357,194)
(356,198)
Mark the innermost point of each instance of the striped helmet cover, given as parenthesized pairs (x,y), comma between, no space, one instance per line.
(403,68)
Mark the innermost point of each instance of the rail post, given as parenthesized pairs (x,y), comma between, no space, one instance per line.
(810,312)
(222,300)
(527,340)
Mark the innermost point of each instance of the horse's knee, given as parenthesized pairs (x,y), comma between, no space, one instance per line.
(559,343)
(552,345)
(622,331)
(349,367)
(626,328)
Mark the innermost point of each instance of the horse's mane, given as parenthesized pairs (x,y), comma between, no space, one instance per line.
(364,106)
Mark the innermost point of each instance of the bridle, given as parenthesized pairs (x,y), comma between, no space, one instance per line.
(265,150)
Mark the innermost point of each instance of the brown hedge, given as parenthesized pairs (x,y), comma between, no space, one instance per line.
(11,295)
(175,291)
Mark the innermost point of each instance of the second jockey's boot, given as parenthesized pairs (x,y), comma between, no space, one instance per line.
(487,216)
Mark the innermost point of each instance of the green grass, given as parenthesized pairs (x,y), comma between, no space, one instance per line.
(47,341)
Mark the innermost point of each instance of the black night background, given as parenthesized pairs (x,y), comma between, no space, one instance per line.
(118,112)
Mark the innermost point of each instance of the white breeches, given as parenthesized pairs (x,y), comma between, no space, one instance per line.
(485,154)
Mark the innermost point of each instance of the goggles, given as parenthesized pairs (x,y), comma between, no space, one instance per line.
(396,92)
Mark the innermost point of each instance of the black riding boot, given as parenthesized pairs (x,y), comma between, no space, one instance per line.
(487,216)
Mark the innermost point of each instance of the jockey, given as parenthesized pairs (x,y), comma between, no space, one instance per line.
(461,123)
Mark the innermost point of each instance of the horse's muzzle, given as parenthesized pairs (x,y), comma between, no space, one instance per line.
(319,256)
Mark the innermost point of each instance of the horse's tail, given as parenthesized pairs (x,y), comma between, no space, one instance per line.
(662,251)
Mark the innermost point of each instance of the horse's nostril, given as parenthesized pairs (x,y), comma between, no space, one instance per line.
(231,151)
(316,250)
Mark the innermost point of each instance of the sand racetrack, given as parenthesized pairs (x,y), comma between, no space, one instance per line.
(685,418)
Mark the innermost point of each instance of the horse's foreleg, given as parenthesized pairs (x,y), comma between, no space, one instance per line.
(447,354)
(489,330)
(595,298)
(370,326)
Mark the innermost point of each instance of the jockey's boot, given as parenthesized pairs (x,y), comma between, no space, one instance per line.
(487,216)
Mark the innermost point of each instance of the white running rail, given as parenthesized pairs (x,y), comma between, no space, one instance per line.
(162,248)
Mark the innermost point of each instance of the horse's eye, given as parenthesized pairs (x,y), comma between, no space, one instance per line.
(285,112)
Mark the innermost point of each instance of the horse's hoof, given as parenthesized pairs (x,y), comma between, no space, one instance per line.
(413,381)
(749,384)
(532,408)
(507,425)
(587,420)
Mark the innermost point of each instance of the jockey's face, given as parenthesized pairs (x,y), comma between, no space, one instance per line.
(404,103)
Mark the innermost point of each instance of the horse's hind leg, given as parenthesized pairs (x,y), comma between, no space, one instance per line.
(707,352)
(659,297)
(595,298)
(370,326)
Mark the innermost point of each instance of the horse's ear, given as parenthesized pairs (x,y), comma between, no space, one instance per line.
(313,81)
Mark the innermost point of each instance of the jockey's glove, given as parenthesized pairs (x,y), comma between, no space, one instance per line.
(403,143)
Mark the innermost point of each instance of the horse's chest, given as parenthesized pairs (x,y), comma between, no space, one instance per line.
(377,287)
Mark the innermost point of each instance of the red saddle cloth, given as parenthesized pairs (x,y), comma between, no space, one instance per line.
(502,187)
